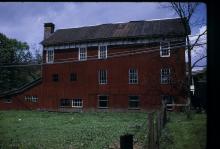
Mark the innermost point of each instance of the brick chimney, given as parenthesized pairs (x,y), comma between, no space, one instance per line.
(48,29)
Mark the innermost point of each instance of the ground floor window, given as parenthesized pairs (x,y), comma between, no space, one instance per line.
(103,101)
(7,100)
(65,103)
(167,99)
(77,103)
(134,102)
(31,98)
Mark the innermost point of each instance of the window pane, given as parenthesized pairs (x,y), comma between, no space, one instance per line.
(65,102)
(55,77)
(165,76)
(102,52)
(133,76)
(102,76)
(165,49)
(103,101)
(133,101)
(82,54)
(73,77)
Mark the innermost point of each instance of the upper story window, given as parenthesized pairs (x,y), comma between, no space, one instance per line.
(55,77)
(82,54)
(133,76)
(102,76)
(165,76)
(164,49)
(102,52)
(50,56)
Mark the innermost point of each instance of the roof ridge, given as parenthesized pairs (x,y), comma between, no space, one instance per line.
(116,23)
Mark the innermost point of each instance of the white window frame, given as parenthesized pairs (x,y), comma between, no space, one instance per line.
(77,103)
(102,54)
(82,56)
(31,98)
(164,74)
(101,73)
(50,56)
(133,76)
(164,48)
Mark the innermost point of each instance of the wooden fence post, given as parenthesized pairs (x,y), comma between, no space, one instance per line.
(150,131)
(126,141)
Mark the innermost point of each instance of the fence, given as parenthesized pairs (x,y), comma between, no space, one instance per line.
(156,122)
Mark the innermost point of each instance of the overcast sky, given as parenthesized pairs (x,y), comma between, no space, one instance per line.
(24,21)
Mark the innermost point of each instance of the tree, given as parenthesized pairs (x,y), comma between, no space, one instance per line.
(13,52)
(186,11)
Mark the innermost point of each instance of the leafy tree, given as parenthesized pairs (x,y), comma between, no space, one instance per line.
(12,53)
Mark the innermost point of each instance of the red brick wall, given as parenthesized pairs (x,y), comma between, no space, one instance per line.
(87,88)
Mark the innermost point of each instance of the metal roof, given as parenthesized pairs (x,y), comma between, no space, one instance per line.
(132,29)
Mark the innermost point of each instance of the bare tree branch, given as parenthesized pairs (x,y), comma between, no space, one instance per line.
(194,64)
(197,39)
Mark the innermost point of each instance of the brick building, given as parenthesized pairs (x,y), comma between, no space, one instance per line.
(114,67)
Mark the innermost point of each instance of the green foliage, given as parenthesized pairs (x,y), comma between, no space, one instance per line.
(13,52)
(182,133)
(32,129)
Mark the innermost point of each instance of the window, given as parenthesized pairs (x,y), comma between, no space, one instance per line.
(165,76)
(82,54)
(55,77)
(31,98)
(77,103)
(7,100)
(133,76)
(102,52)
(73,77)
(164,49)
(102,77)
(103,101)
(65,102)
(134,102)
(50,56)
(166,99)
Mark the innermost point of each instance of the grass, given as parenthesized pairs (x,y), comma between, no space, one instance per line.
(32,129)
(181,133)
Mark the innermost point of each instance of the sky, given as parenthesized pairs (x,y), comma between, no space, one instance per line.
(24,21)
